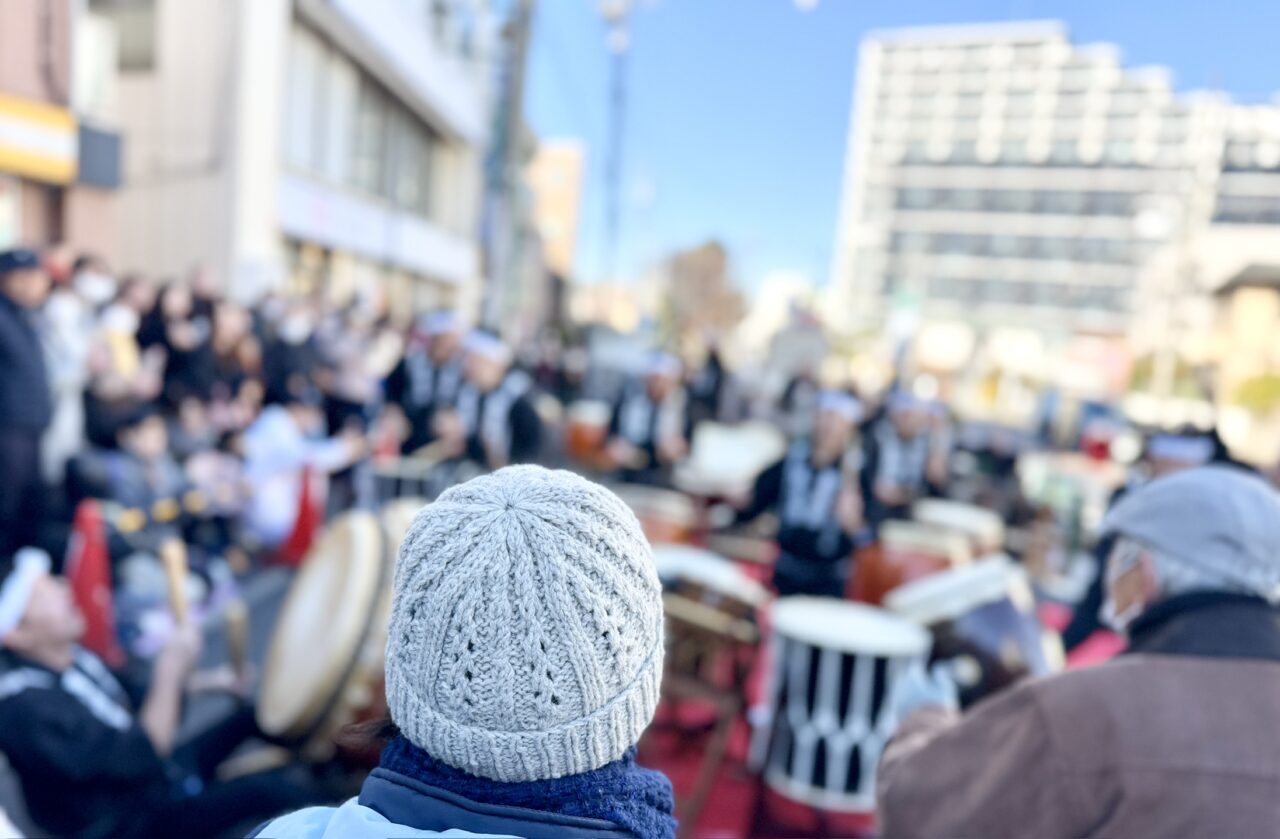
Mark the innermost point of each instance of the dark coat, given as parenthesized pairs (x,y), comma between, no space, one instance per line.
(25,402)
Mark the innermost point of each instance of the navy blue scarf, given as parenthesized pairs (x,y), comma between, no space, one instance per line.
(630,796)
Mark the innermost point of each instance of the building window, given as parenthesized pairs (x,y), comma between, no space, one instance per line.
(135,25)
(370,147)
(305,88)
(341,92)
(411,174)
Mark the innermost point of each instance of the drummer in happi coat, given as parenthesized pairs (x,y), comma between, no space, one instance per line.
(814,491)
(649,429)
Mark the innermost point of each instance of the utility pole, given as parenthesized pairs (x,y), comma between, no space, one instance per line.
(498,231)
(618,39)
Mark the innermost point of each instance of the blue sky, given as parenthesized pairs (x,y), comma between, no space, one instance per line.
(739,109)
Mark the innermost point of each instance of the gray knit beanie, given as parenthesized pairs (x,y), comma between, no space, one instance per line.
(526,627)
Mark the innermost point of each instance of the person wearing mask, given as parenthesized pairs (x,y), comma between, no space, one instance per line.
(1165,453)
(71,317)
(427,379)
(26,404)
(904,458)
(282,446)
(649,428)
(122,373)
(495,424)
(814,493)
(91,763)
(290,358)
(1176,737)
(524,660)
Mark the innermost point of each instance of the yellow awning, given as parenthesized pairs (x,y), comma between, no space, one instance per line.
(37,141)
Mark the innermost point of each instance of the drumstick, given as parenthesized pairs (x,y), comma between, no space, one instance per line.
(173,553)
(237,621)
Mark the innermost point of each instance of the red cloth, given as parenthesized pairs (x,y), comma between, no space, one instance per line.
(306,526)
(88,570)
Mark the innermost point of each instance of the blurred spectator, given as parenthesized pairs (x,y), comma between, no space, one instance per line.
(123,376)
(1171,739)
(70,315)
(142,472)
(187,340)
(290,358)
(280,448)
(798,403)
(649,430)
(26,406)
(92,765)
(428,378)
(497,424)
(707,387)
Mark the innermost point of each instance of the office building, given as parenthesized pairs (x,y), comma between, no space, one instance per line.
(331,146)
(1003,177)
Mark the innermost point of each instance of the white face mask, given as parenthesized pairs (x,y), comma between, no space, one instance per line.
(295,329)
(95,287)
(1124,557)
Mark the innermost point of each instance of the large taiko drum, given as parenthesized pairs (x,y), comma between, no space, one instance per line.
(906,551)
(324,631)
(586,427)
(667,516)
(835,665)
(325,666)
(983,622)
(982,527)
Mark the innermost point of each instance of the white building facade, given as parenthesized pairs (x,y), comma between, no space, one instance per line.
(1002,177)
(331,146)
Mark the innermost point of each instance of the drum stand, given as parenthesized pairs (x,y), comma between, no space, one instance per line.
(709,635)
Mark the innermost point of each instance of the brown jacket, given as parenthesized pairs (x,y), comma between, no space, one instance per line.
(1179,739)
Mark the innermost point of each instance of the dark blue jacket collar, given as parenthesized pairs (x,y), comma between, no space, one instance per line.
(404,800)
(1210,624)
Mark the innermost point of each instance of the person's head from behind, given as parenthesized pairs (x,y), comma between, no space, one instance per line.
(662,373)
(144,435)
(176,302)
(22,278)
(92,279)
(486,360)
(39,619)
(526,638)
(1211,528)
(833,425)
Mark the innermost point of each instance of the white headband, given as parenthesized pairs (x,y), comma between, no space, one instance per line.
(29,565)
(1182,448)
(663,364)
(438,323)
(487,346)
(839,402)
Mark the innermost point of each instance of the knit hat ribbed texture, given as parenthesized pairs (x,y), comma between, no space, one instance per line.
(526,627)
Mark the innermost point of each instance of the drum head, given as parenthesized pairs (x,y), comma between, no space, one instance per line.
(830,624)
(725,459)
(322,627)
(674,562)
(951,594)
(396,516)
(665,515)
(917,538)
(981,525)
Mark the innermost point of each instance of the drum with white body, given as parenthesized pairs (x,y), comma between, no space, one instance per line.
(984,528)
(711,571)
(724,460)
(983,621)
(834,670)
(665,515)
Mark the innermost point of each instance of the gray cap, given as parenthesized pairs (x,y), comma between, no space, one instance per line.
(1219,518)
(526,627)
